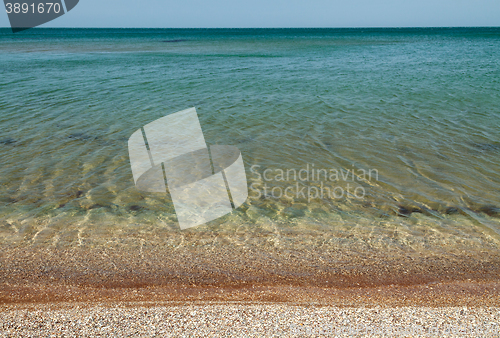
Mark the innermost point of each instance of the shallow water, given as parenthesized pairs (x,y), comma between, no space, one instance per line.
(417,109)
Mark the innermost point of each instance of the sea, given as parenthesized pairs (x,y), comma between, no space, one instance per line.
(362,140)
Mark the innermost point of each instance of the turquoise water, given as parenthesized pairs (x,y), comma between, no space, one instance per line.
(419,109)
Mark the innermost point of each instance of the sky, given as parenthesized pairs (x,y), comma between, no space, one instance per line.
(277,13)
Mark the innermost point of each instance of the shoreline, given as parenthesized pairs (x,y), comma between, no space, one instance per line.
(30,275)
(461,294)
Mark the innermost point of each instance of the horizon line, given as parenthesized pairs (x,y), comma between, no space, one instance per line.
(354,27)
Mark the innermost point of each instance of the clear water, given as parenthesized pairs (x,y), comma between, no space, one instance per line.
(418,107)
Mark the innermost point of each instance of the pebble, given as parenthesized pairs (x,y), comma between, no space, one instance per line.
(244,320)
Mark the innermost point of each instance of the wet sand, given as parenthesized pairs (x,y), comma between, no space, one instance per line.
(228,273)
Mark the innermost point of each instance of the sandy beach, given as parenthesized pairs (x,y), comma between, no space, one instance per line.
(190,293)
(230,273)
(245,320)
